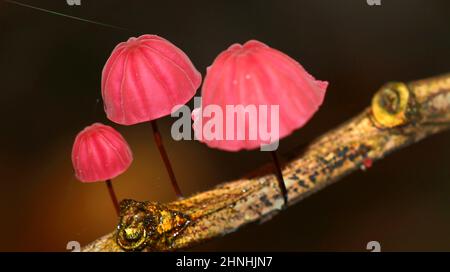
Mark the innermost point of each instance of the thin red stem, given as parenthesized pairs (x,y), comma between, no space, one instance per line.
(165,158)
(113,196)
(279,175)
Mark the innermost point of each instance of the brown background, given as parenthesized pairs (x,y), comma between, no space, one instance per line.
(50,76)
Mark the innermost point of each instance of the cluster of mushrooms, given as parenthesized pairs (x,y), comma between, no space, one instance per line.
(148,77)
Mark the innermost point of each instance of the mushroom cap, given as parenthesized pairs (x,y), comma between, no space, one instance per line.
(256,74)
(100,153)
(145,78)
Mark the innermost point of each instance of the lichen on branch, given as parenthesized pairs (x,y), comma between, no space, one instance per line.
(400,114)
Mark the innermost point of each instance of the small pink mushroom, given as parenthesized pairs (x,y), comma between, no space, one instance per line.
(255,74)
(144,79)
(100,153)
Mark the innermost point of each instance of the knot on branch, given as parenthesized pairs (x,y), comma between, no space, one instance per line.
(394,105)
(148,225)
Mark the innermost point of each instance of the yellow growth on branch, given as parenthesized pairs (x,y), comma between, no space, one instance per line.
(400,114)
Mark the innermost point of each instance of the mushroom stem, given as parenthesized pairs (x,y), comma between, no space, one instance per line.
(113,196)
(165,158)
(279,175)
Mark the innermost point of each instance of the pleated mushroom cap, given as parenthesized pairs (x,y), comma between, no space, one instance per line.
(100,153)
(145,78)
(255,74)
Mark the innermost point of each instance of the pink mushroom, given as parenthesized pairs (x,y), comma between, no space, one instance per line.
(100,153)
(255,74)
(144,79)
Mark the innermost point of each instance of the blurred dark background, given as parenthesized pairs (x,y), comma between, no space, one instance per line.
(50,68)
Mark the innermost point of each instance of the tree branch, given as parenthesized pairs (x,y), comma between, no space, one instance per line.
(400,114)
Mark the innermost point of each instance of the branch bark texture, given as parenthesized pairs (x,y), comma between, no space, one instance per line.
(400,114)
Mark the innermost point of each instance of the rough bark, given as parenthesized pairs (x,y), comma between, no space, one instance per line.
(400,114)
